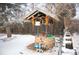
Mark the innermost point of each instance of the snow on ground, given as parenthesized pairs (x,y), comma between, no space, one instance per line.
(67,51)
(76,42)
(16,45)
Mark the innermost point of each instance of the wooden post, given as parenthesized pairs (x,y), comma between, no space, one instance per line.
(46,23)
(33,23)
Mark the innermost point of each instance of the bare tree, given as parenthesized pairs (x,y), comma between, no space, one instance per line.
(66,12)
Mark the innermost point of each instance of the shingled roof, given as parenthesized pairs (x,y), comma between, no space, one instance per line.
(35,11)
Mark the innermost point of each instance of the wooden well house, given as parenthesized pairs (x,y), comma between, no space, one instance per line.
(45,21)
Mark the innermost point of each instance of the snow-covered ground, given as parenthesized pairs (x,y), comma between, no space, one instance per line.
(76,42)
(17,45)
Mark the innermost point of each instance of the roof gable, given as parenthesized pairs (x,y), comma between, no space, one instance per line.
(43,11)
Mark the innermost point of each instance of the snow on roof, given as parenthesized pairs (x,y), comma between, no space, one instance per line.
(43,11)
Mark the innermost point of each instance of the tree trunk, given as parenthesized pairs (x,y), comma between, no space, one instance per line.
(8,32)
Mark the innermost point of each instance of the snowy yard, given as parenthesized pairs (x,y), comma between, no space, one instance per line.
(17,45)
